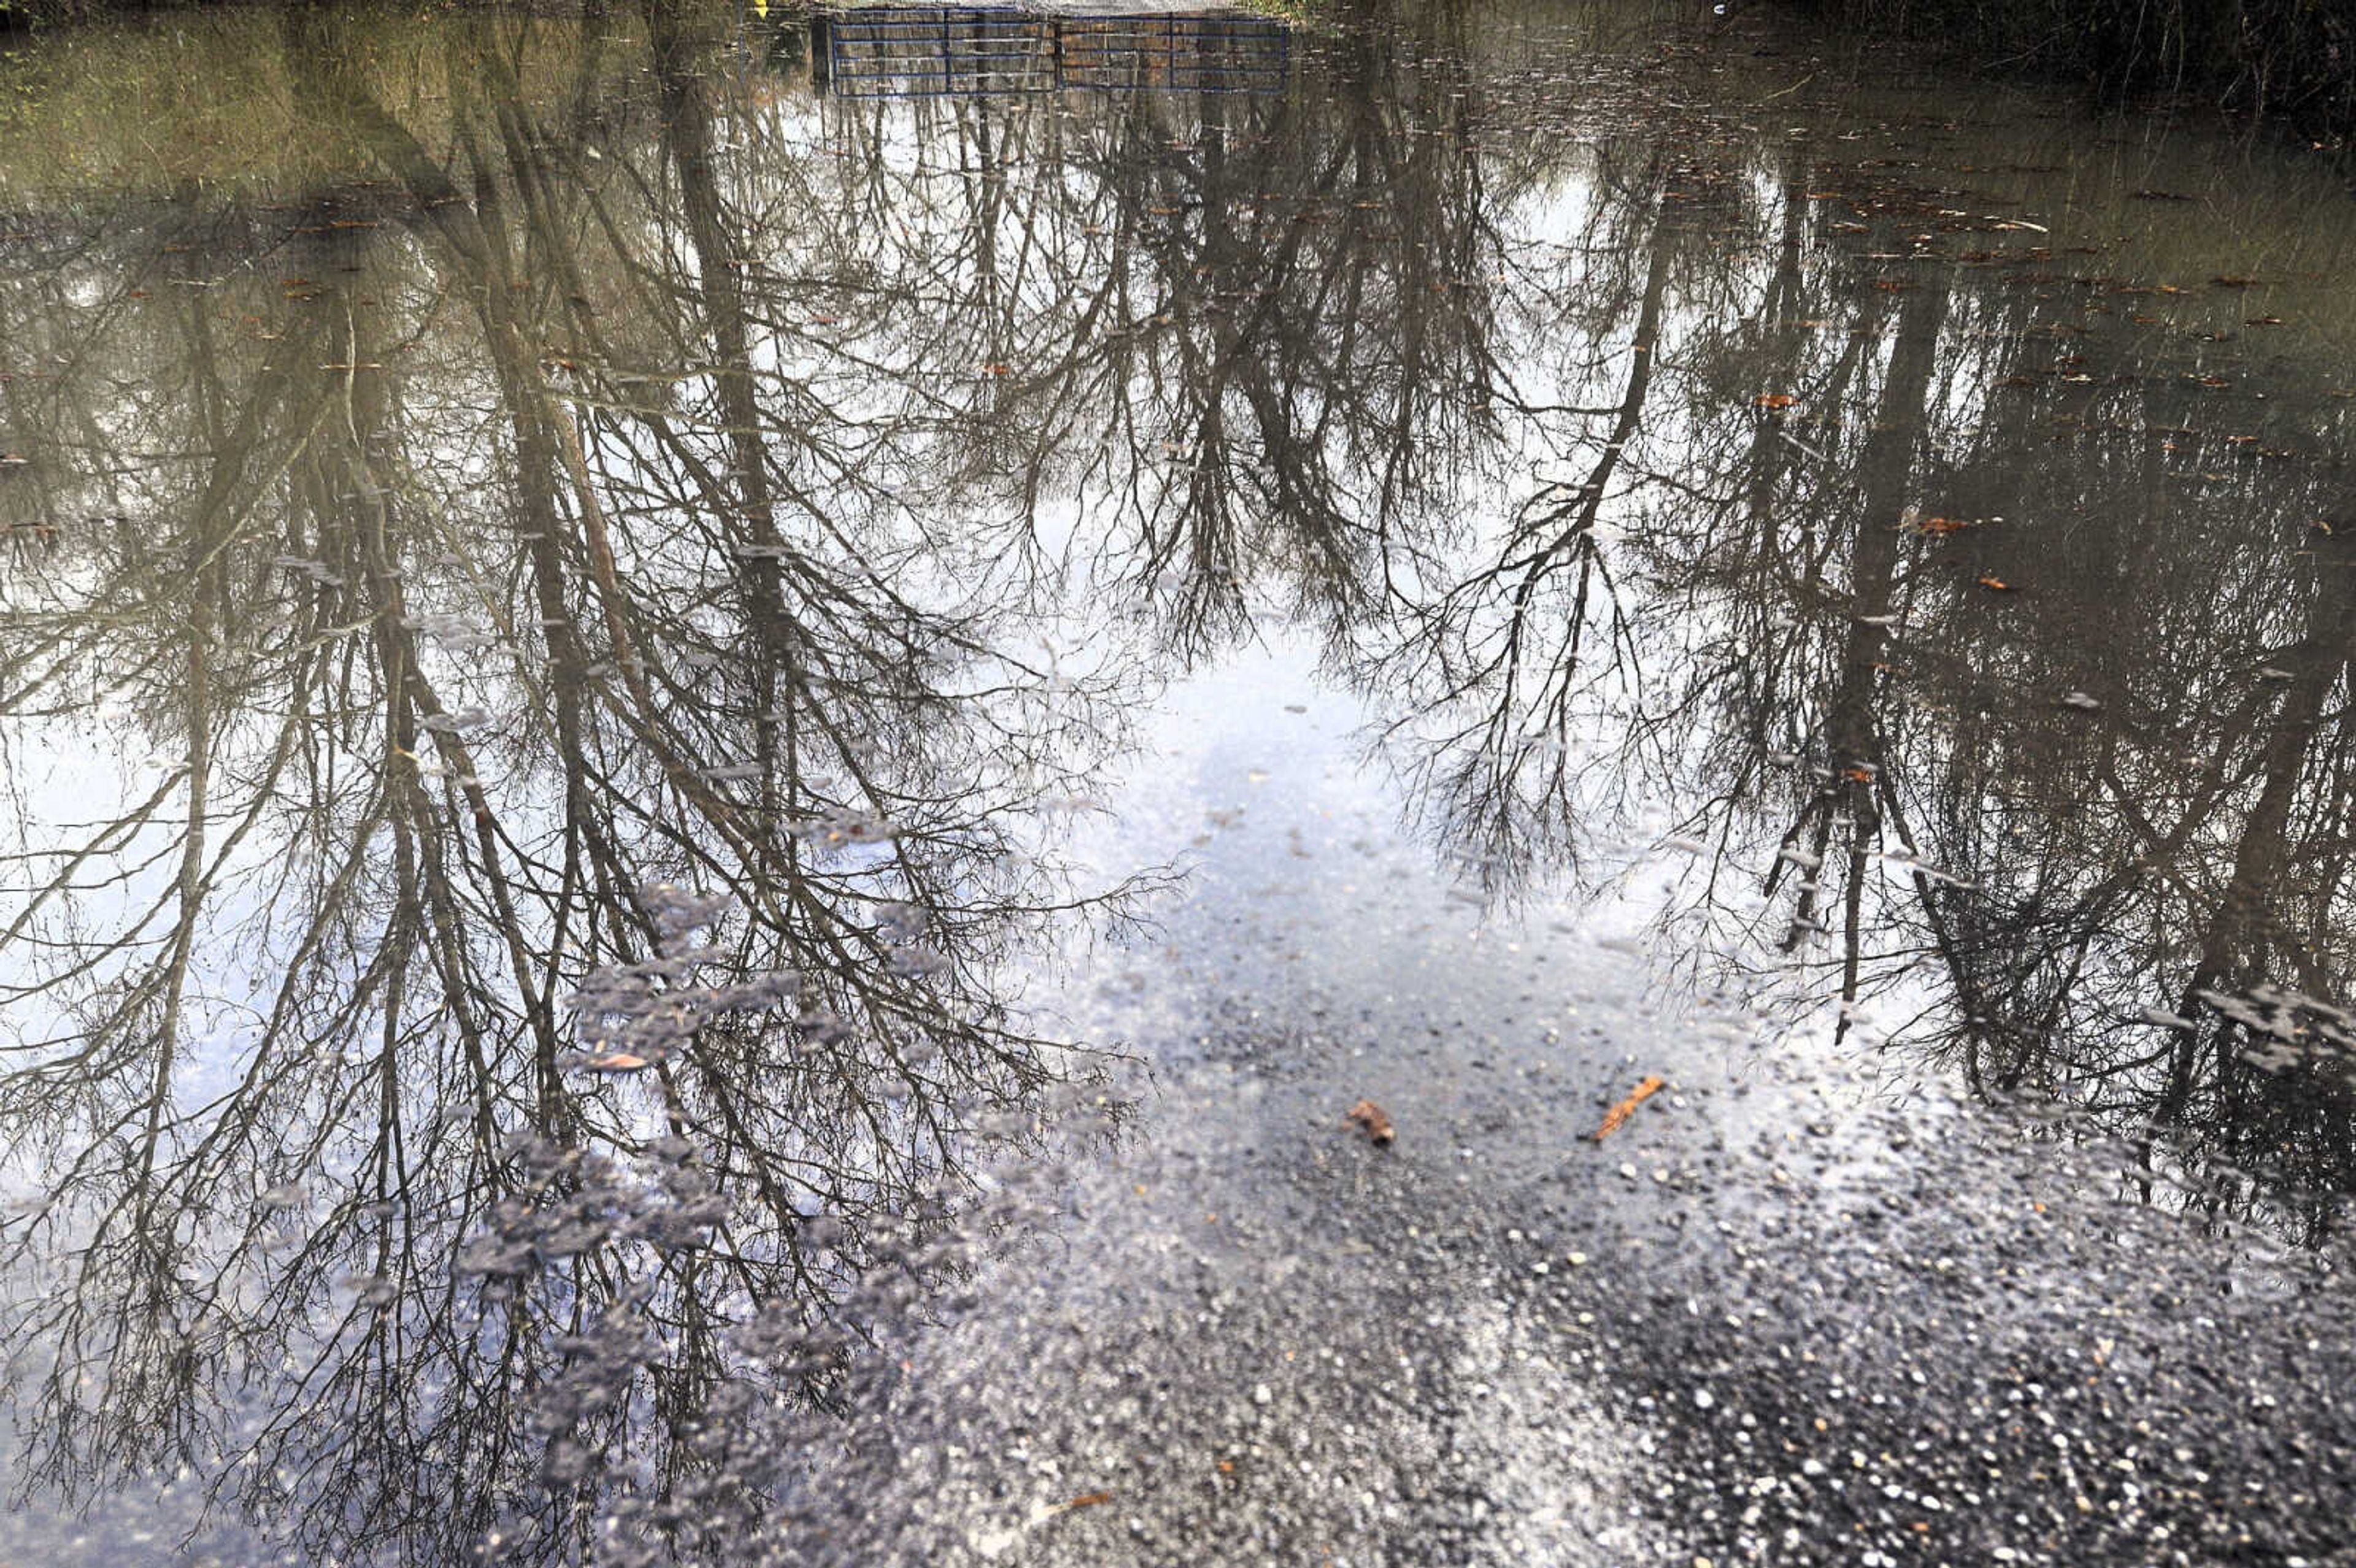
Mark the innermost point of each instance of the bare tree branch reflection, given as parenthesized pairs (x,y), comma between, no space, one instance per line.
(544,681)
(455,677)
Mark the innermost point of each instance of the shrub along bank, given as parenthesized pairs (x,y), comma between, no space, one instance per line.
(2290,61)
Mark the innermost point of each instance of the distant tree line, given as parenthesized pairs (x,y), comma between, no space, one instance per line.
(2290,62)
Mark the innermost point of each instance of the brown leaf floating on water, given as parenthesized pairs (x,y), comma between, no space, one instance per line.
(1369,1119)
(1653,1084)
(617,1062)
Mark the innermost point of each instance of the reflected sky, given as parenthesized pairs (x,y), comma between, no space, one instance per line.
(586,597)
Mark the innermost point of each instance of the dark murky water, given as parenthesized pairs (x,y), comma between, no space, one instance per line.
(727,738)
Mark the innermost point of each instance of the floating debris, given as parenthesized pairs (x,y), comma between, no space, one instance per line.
(1651,1084)
(613,1061)
(1368,1118)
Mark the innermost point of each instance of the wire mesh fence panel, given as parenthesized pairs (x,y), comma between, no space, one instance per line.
(914,51)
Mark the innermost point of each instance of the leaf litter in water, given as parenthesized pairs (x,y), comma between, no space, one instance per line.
(613,1062)
(1368,1118)
(1651,1084)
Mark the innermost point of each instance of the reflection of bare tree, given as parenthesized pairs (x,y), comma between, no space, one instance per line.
(2182,977)
(435,776)
(1248,329)
(2086,899)
(1767,603)
(1513,658)
(1726,587)
(681,517)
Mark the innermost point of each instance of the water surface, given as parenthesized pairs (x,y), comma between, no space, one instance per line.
(728,736)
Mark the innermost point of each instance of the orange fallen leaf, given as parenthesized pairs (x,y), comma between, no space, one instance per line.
(1370,1120)
(1653,1084)
(1089,1499)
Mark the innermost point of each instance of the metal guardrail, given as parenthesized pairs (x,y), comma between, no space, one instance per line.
(932,51)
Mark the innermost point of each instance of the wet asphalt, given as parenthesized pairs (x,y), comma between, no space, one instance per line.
(1803,1306)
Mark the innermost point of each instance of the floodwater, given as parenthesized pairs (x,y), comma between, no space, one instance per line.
(732,738)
